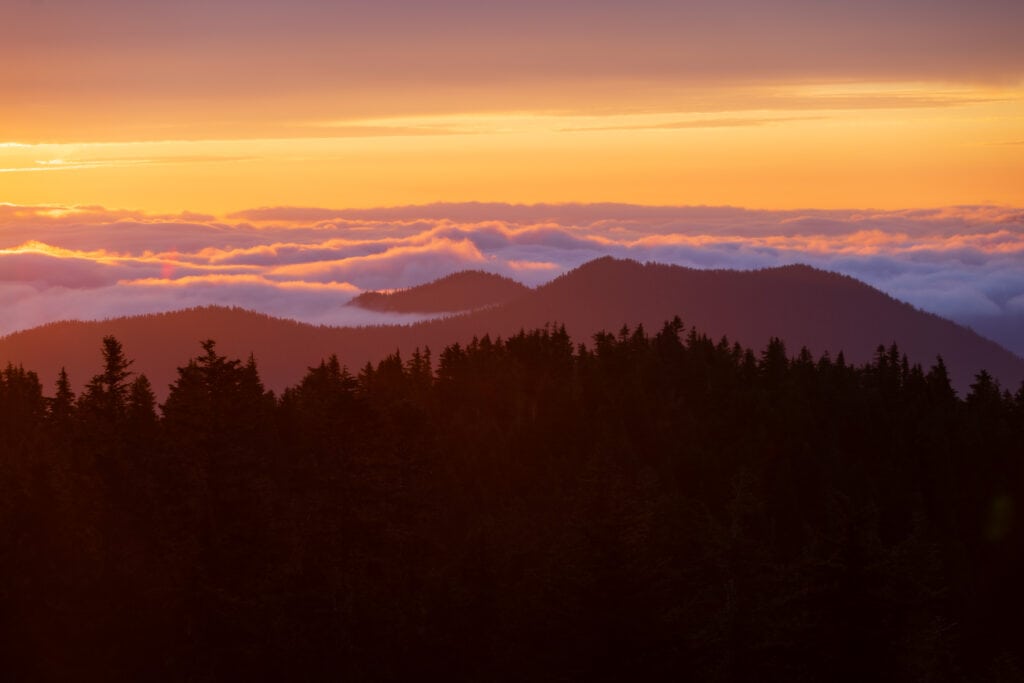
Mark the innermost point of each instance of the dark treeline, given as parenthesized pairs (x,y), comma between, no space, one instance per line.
(639,508)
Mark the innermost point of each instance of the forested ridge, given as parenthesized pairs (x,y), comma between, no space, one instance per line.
(638,507)
(806,307)
(458,292)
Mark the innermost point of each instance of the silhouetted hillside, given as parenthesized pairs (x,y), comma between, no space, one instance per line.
(464,291)
(804,306)
(655,506)
(801,305)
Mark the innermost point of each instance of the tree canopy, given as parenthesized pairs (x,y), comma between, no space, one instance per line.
(636,507)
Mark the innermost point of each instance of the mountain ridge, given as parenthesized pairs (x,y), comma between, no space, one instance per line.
(465,290)
(801,305)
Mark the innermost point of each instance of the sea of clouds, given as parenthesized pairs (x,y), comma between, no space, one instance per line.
(965,263)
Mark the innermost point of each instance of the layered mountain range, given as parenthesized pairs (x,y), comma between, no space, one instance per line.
(803,306)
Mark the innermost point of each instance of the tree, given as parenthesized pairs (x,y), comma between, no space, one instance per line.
(218,401)
(22,407)
(142,420)
(774,363)
(62,405)
(985,392)
(105,401)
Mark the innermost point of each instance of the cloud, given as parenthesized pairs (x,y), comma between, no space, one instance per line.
(715,122)
(964,262)
(317,305)
(533,265)
(397,266)
(90,163)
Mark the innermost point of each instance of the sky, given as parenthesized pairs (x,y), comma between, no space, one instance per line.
(884,139)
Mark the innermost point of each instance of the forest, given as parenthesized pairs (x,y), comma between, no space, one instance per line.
(638,506)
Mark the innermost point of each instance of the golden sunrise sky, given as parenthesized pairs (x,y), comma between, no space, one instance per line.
(221,106)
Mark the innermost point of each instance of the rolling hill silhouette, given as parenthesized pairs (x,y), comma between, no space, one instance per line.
(799,304)
(463,291)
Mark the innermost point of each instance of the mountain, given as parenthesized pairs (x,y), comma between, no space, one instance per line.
(464,291)
(799,304)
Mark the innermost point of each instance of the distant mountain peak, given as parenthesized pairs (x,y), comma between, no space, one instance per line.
(466,290)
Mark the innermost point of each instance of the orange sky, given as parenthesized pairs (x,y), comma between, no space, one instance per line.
(216,107)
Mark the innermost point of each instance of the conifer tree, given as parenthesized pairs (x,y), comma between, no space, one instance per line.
(22,407)
(142,420)
(62,405)
(105,400)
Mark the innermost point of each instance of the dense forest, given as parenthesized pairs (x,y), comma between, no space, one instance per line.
(639,507)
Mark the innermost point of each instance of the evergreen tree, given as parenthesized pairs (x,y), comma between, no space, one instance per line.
(105,399)
(22,408)
(141,417)
(62,405)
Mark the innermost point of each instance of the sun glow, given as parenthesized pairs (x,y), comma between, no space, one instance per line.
(827,145)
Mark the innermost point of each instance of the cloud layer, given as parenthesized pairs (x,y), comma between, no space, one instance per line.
(966,263)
